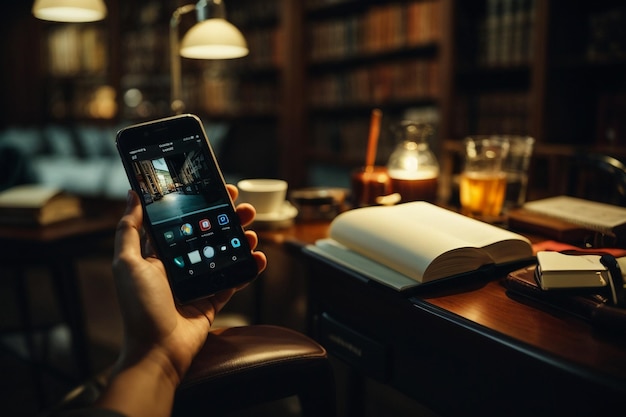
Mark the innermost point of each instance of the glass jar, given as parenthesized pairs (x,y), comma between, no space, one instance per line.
(412,166)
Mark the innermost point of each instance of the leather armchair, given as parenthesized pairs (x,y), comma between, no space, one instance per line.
(240,367)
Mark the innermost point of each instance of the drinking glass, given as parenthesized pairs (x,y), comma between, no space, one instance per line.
(483,179)
(369,183)
(516,167)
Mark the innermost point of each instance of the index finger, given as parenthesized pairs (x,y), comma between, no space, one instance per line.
(233,191)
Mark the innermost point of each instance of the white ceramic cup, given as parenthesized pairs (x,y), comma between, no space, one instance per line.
(266,195)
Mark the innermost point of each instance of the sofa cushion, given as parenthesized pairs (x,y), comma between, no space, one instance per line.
(29,141)
(94,142)
(59,141)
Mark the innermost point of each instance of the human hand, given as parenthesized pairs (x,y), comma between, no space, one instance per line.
(153,323)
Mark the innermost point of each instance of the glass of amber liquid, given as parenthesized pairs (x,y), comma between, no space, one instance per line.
(483,179)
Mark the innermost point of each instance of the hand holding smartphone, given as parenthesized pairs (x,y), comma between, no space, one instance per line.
(188,213)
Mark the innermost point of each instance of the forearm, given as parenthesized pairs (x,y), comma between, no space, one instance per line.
(143,388)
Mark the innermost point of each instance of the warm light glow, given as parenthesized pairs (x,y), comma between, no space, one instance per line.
(102,103)
(70,10)
(213,39)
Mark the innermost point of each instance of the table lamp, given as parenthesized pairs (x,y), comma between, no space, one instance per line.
(213,37)
(70,10)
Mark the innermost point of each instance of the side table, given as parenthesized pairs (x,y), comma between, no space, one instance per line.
(57,247)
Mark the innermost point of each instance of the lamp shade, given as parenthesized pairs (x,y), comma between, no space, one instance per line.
(213,39)
(70,10)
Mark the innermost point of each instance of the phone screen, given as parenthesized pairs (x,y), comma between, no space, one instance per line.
(189,213)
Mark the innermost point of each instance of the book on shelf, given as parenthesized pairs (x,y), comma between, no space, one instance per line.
(571,219)
(559,270)
(34,204)
(505,33)
(379,28)
(415,243)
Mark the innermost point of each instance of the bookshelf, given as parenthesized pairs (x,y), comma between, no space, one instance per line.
(588,52)
(215,89)
(558,81)
(243,94)
(79,83)
(497,77)
(499,67)
(365,55)
(220,89)
(300,103)
(255,93)
(144,60)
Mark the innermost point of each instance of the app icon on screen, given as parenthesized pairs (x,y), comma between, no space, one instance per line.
(169,236)
(179,261)
(235,242)
(222,219)
(186,229)
(194,256)
(205,225)
(208,252)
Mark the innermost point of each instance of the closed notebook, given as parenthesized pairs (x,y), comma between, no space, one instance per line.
(572,220)
(591,305)
(557,270)
(37,205)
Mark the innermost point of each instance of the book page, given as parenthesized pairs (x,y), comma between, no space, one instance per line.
(409,237)
(339,254)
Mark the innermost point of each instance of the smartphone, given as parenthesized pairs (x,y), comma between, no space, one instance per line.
(188,213)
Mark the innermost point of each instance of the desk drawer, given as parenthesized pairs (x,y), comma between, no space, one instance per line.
(354,348)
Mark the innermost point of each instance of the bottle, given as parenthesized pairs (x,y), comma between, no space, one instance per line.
(412,166)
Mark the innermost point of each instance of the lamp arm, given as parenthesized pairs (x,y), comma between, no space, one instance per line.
(210,9)
(177,103)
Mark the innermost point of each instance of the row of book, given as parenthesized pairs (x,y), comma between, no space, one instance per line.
(85,101)
(266,48)
(412,80)
(319,4)
(505,33)
(380,28)
(487,113)
(220,96)
(346,139)
(611,125)
(607,40)
(145,51)
(231,96)
(252,12)
(75,50)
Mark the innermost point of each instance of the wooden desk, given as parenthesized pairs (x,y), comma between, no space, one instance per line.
(57,247)
(464,348)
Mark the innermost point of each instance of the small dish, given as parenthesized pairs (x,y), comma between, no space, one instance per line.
(282,218)
(318,196)
(319,202)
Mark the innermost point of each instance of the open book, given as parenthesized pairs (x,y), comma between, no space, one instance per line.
(414,243)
